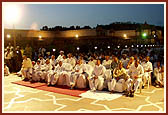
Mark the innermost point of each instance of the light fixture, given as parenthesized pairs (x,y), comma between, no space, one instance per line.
(95,47)
(125,35)
(8,36)
(108,47)
(76,35)
(137,46)
(54,50)
(132,46)
(77,48)
(126,46)
(118,46)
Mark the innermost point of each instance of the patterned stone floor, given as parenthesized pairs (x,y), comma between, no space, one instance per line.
(18,98)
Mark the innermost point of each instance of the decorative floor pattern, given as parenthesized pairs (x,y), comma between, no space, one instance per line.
(24,99)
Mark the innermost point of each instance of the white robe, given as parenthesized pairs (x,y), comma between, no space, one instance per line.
(147,75)
(97,83)
(139,72)
(64,78)
(46,69)
(107,64)
(159,75)
(71,61)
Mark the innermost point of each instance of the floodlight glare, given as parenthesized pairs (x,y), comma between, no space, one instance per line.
(95,47)
(8,35)
(53,50)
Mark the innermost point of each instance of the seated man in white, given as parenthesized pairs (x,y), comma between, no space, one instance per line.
(92,62)
(60,57)
(57,72)
(64,78)
(6,70)
(107,64)
(96,81)
(80,79)
(159,74)
(46,69)
(119,76)
(53,61)
(76,72)
(148,68)
(26,68)
(71,60)
(136,73)
(42,60)
(124,60)
(37,72)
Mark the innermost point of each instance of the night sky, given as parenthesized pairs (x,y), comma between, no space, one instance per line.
(34,16)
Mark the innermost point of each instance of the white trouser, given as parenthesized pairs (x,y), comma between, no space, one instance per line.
(146,77)
(96,84)
(64,79)
(81,81)
(129,84)
(26,72)
(112,84)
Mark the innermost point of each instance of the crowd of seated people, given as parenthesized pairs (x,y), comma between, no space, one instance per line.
(98,72)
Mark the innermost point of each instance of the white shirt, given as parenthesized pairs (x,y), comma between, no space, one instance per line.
(52,62)
(136,71)
(99,70)
(37,67)
(27,63)
(59,69)
(147,66)
(107,64)
(59,58)
(92,63)
(71,61)
(47,67)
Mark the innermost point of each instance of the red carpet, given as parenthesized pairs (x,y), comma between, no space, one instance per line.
(29,84)
(59,89)
(62,90)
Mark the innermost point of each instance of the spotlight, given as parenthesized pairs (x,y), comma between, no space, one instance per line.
(78,48)
(132,46)
(95,47)
(126,46)
(137,46)
(118,46)
(108,47)
(17,52)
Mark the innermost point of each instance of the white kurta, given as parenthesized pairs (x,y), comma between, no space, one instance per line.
(26,68)
(147,75)
(59,58)
(117,73)
(37,72)
(139,72)
(64,78)
(92,63)
(159,75)
(71,61)
(46,69)
(107,64)
(97,83)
